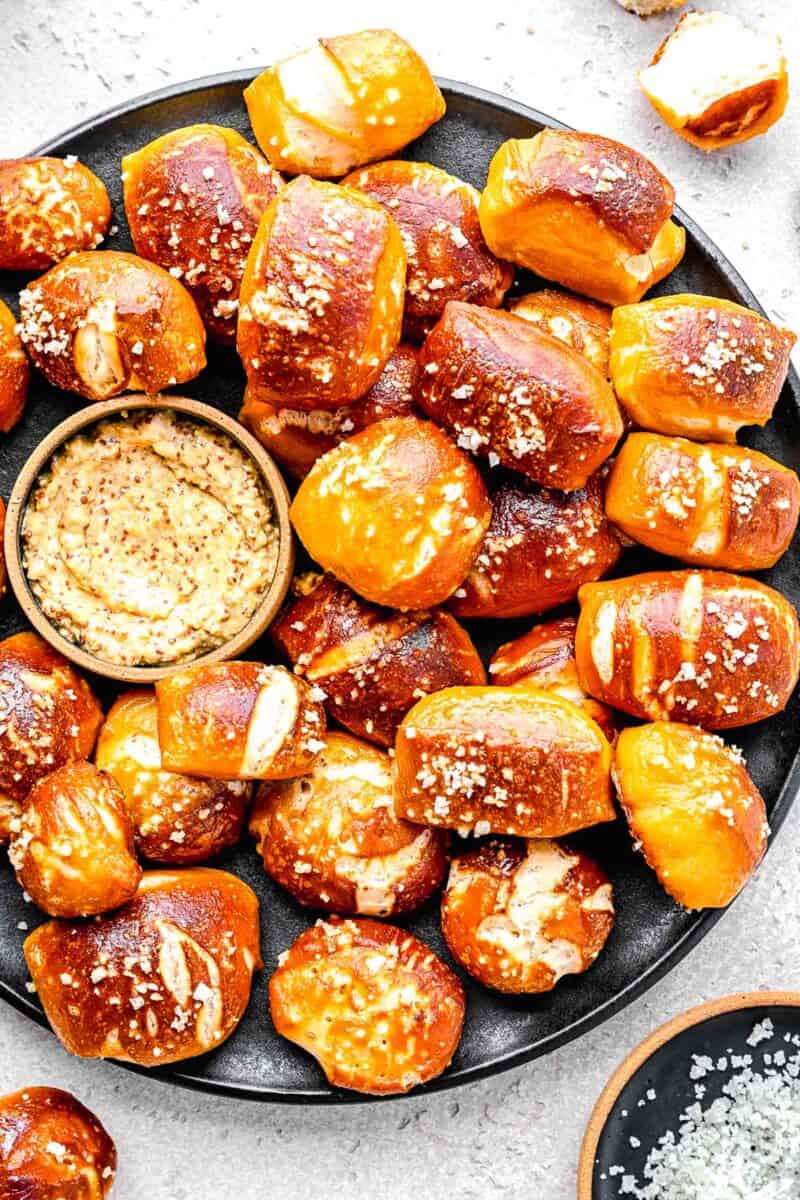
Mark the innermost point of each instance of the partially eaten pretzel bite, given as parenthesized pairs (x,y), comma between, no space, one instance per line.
(238,720)
(697,366)
(710,505)
(377,1009)
(705,647)
(52,1147)
(14,371)
(345,101)
(165,977)
(519,916)
(581,324)
(372,663)
(695,813)
(105,322)
(508,391)
(502,760)
(333,840)
(716,82)
(49,208)
(584,211)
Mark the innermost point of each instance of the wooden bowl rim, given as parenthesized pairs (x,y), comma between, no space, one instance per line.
(91,415)
(646,1049)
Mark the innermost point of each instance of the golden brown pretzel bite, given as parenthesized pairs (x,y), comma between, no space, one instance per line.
(584,211)
(693,810)
(14,371)
(377,1009)
(447,256)
(706,647)
(177,820)
(53,1147)
(105,322)
(163,978)
(194,198)
(710,505)
(321,301)
(502,760)
(581,324)
(505,389)
(333,840)
(697,366)
(345,101)
(49,207)
(397,512)
(519,916)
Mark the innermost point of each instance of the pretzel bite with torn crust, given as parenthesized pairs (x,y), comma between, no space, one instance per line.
(177,820)
(372,663)
(710,505)
(504,389)
(447,256)
(193,199)
(520,916)
(544,659)
(53,1147)
(716,82)
(332,838)
(584,211)
(49,208)
(72,847)
(397,512)
(580,324)
(697,366)
(345,101)
(48,716)
(502,760)
(105,322)
(321,301)
(540,547)
(706,647)
(376,1008)
(238,720)
(14,371)
(297,438)
(693,810)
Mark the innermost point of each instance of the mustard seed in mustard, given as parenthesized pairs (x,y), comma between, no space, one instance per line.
(149,539)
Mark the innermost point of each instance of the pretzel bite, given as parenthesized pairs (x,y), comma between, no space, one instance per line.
(163,978)
(693,810)
(193,199)
(72,848)
(544,659)
(321,302)
(447,256)
(53,1147)
(397,512)
(505,389)
(502,760)
(333,841)
(106,322)
(716,82)
(297,438)
(520,916)
(48,717)
(177,820)
(581,324)
(584,211)
(376,1008)
(713,506)
(238,720)
(540,547)
(345,101)
(697,366)
(49,207)
(706,647)
(14,371)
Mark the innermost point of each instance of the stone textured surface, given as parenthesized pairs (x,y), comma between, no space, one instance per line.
(518,1135)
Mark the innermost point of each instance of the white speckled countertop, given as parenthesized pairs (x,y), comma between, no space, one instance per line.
(517,1135)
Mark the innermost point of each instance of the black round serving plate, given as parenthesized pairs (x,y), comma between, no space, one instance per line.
(651,934)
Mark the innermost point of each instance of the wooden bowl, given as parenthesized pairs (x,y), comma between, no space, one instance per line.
(273,481)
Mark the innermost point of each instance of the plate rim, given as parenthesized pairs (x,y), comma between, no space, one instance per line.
(706,920)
